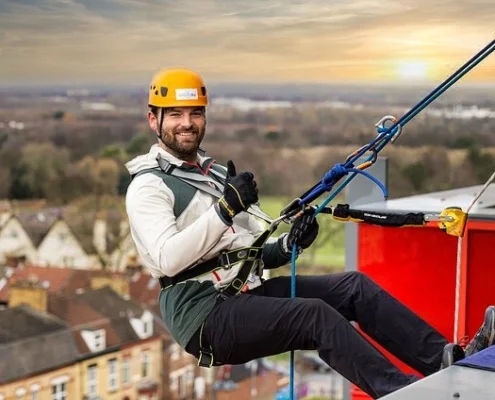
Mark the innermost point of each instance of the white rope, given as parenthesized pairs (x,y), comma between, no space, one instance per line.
(459,261)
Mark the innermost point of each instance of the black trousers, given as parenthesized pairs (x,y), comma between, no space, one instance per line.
(266,321)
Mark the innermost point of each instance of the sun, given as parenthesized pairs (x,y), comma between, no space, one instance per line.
(412,70)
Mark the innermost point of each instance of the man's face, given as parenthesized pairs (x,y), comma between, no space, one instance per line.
(183,130)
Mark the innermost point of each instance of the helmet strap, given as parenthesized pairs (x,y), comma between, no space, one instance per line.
(160,125)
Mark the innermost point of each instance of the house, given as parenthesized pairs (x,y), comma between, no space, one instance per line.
(179,369)
(15,241)
(245,381)
(65,237)
(43,237)
(93,345)
(29,366)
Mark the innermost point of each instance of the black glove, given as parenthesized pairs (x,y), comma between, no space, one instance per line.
(239,193)
(303,231)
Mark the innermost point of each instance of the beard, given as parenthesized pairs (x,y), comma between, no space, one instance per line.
(183,148)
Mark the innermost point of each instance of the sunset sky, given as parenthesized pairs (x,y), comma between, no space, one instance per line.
(126,41)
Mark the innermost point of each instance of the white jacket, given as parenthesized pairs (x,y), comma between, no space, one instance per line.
(168,245)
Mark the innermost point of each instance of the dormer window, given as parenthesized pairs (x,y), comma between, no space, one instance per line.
(95,339)
(144,325)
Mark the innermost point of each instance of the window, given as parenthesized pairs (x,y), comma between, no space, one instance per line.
(126,371)
(59,391)
(20,394)
(147,328)
(95,339)
(63,236)
(181,383)
(174,352)
(145,364)
(34,391)
(92,377)
(112,375)
(99,337)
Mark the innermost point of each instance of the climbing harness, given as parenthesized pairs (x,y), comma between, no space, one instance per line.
(452,220)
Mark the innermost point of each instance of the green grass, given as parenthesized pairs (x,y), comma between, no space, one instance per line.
(328,249)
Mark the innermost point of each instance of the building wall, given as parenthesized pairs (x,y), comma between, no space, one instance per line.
(14,239)
(60,248)
(120,256)
(66,377)
(132,355)
(76,377)
(262,387)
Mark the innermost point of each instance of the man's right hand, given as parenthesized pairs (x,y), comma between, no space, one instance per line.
(239,193)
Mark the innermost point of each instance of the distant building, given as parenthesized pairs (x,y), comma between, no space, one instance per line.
(93,345)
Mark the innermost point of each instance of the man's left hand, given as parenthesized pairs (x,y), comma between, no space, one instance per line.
(304,230)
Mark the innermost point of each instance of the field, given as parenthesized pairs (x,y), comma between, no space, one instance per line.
(328,250)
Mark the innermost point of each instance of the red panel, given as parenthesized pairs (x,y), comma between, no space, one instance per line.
(480,277)
(416,265)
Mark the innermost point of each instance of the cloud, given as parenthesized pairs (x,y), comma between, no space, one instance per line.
(126,40)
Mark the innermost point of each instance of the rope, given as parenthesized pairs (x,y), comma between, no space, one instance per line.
(459,261)
(385,135)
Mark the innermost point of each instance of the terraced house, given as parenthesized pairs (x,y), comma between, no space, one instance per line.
(92,345)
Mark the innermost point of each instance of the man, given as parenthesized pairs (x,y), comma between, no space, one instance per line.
(195,226)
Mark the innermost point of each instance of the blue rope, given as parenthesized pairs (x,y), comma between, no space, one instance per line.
(384,136)
(293,294)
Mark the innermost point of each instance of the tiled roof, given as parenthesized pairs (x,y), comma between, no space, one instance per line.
(143,288)
(32,342)
(38,223)
(23,322)
(54,279)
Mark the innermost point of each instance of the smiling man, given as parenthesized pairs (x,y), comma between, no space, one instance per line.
(194,225)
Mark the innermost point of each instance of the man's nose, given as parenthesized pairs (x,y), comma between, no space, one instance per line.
(186,121)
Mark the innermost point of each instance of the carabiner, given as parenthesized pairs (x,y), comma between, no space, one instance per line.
(380,125)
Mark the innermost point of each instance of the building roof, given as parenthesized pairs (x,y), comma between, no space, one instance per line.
(23,322)
(38,223)
(32,342)
(436,202)
(53,279)
(101,309)
(143,288)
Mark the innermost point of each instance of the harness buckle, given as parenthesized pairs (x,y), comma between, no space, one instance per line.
(205,358)
(224,261)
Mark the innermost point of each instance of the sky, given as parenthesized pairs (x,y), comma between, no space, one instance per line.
(351,41)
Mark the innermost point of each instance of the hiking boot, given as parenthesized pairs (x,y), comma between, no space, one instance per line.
(452,353)
(485,336)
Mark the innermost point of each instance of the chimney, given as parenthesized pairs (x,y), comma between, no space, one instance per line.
(118,283)
(29,291)
(100,235)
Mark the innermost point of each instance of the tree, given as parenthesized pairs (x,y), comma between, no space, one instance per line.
(139,144)
(42,170)
(4,182)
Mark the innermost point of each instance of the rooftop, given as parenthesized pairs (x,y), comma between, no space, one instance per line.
(435,202)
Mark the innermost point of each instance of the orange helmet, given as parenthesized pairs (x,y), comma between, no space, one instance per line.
(177,88)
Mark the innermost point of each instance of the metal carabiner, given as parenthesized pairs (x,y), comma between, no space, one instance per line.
(380,125)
